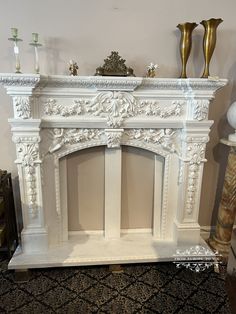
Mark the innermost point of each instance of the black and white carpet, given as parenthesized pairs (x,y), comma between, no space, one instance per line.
(145,288)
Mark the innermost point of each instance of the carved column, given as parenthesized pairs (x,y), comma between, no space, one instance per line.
(26,135)
(220,241)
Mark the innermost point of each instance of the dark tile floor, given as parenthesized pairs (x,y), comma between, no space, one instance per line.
(146,288)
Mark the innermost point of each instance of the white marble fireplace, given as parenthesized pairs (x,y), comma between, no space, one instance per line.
(55,116)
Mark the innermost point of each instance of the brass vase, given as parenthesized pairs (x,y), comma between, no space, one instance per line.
(185,44)
(209,42)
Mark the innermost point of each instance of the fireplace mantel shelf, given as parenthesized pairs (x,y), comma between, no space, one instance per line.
(57,115)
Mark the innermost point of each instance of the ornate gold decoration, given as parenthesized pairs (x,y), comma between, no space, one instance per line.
(185,44)
(114,65)
(209,42)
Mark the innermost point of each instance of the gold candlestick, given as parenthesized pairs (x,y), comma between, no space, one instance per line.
(209,42)
(185,44)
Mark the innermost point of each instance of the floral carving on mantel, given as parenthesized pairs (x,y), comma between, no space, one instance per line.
(164,137)
(63,137)
(28,157)
(22,107)
(114,137)
(200,109)
(151,108)
(52,108)
(114,106)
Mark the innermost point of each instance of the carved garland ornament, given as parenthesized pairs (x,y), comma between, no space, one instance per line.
(163,137)
(114,106)
(166,138)
(151,108)
(28,155)
(63,137)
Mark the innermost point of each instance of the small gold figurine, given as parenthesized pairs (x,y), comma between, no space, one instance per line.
(151,70)
(73,68)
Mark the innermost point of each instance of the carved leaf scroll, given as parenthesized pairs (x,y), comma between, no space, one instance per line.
(22,107)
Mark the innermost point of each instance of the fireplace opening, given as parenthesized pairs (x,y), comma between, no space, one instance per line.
(141,190)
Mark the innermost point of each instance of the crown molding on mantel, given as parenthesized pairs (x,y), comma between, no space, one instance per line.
(12,80)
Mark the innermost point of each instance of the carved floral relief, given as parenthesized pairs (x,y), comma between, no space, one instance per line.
(114,106)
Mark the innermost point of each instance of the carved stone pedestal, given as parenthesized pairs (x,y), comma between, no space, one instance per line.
(227,210)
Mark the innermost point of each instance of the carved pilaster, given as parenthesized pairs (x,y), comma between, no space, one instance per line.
(27,148)
(192,165)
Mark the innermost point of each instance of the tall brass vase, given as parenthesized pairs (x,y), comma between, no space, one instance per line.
(209,42)
(185,44)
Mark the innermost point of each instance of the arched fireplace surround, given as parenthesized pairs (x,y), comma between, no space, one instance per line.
(55,116)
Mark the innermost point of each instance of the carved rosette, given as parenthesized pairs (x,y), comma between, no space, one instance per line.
(114,137)
(200,109)
(28,157)
(195,157)
(22,107)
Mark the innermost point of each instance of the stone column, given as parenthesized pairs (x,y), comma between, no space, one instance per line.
(220,241)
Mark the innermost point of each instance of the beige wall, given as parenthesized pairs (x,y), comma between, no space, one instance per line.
(142,31)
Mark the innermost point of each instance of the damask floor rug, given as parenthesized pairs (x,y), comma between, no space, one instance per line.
(142,288)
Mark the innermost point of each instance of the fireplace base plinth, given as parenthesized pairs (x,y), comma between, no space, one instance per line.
(96,250)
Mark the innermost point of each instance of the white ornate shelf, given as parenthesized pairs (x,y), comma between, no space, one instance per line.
(57,115)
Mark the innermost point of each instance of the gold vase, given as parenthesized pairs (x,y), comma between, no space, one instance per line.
(185,44)
(209,42)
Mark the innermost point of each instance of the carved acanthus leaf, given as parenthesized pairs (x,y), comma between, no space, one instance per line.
(200,109)
(196,153)
(115,106)
(114,137)
(28,155)
(22,107)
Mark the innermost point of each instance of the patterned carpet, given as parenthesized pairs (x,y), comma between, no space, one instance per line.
(146,288)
